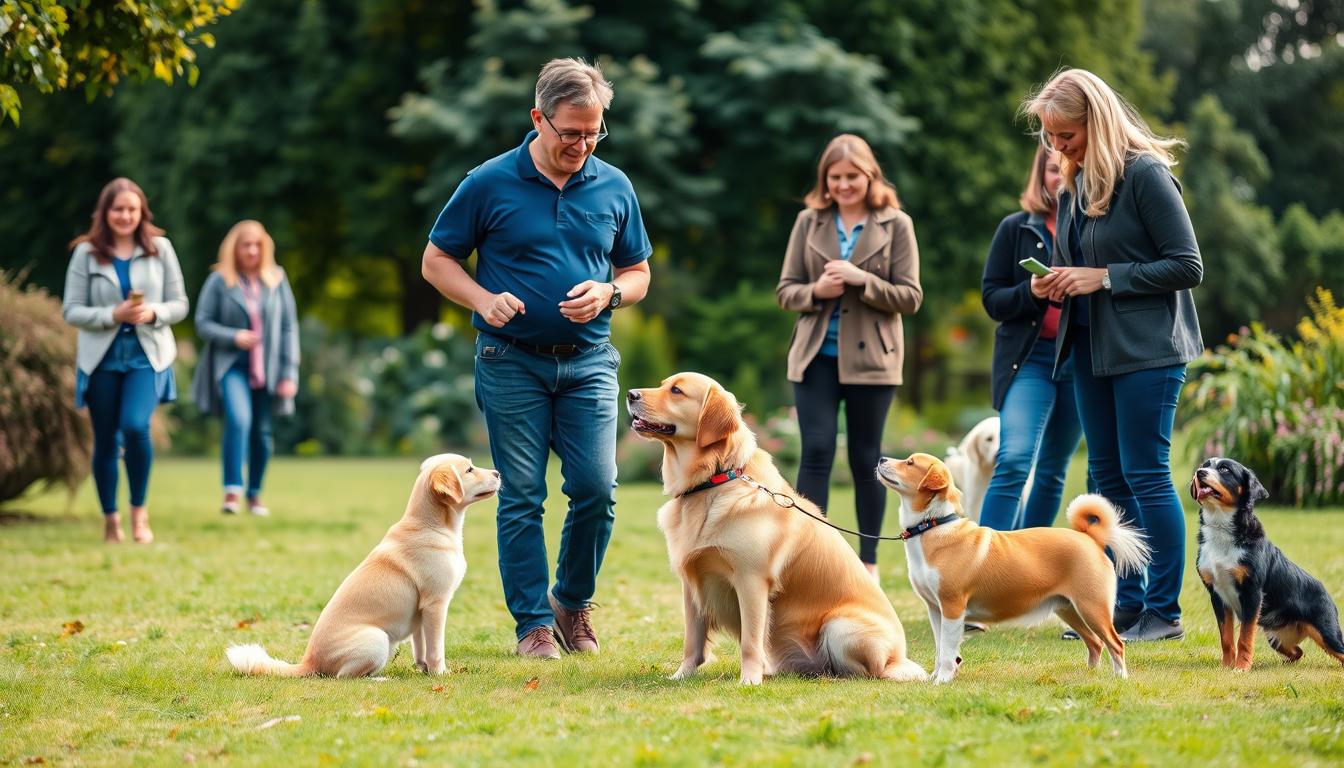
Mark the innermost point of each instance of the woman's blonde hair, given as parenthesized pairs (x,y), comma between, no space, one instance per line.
(1115,132)
(1036,197)
(847,146)
(227,265)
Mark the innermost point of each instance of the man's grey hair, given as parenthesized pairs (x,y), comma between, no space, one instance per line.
(574,82)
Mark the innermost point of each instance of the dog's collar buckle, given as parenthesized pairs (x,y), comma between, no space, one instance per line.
(719,478)
(926,525)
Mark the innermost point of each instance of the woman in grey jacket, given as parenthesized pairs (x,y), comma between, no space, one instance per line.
(249,367)
(1125,260)
(123,291)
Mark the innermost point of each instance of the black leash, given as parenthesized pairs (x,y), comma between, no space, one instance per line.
(788,502)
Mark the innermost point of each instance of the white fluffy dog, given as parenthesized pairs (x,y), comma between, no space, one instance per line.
(972,464)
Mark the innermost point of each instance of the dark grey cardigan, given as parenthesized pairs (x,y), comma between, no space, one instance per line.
(221,312)
(1147,244)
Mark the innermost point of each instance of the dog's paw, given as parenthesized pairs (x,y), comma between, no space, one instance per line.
(683,672)
(434,668)
(753,678)
(944,676)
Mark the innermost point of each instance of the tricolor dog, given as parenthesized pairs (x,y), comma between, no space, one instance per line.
(1251,579)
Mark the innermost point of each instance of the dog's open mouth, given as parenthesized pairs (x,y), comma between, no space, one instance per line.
(1204,491)
(652,427)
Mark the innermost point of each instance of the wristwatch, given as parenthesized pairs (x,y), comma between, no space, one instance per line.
(1106,280)
(615,296)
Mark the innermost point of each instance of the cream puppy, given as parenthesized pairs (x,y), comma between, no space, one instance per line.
(789,589)
(972,462)
(400,591)
(965,572)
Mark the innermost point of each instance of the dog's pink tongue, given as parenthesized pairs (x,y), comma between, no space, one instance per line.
(1205,491)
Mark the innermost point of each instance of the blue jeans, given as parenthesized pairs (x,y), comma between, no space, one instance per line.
(121,396)
(1128,419)
(247,429)
(534,404)
(1038,427)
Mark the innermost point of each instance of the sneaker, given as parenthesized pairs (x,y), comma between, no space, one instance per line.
(538,644)
(230,505)
(1124,619)
(1150,627)
(574,628)
(255,507)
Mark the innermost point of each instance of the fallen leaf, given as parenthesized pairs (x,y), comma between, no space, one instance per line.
(248,622)
(71,628)
(35,760)
(437,688)
(532,684)
(274,721)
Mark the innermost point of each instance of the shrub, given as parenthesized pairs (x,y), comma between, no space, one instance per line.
(42,437)
(1277,407)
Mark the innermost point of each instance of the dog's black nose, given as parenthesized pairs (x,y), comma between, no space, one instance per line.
(633,396)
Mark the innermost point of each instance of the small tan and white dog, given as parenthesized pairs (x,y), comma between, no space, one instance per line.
(972,462)
(965,572)
(401,590)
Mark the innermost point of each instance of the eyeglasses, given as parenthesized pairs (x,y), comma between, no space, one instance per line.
(569,138)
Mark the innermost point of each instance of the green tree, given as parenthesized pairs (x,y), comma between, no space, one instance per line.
(50,45)
(289,125)
(1243,267)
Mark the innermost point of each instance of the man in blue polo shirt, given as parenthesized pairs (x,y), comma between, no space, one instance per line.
(560,244)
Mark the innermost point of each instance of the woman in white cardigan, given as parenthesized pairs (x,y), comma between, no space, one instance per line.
(124,291)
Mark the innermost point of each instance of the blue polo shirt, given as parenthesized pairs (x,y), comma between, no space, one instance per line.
(537,242)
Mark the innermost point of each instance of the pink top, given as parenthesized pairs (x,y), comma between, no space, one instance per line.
(256,366)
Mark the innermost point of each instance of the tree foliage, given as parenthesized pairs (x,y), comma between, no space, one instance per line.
(51,45)
(1243,264)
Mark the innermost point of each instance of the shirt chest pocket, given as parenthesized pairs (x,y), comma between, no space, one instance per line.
(603,227)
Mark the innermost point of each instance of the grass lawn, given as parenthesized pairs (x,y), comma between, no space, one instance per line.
(145,682)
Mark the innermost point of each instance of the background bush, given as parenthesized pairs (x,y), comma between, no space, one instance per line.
(1276,406)
(42,437)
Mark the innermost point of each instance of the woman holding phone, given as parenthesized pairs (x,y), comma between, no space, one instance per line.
(1039,427)
(123,291)
(1124,263)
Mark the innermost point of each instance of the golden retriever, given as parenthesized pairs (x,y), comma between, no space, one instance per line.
(788,588)
(401,590)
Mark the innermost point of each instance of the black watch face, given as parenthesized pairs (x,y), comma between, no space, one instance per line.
(615,299)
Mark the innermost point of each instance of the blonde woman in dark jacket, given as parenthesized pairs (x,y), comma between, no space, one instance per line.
(249,367)
(851,272)
(1124,263)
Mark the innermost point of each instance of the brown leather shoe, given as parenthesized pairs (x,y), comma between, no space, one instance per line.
(574,628)
(538,644)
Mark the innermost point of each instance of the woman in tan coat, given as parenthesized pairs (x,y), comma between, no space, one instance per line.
(851,272)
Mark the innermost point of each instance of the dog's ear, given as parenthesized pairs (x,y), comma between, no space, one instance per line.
(718,419)
(936,479)
(445,484)
(1254,487)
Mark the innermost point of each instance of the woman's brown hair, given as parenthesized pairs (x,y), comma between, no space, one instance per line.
(847,146)
(99,235)
(1035,197)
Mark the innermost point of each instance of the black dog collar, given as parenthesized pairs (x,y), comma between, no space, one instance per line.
(915,530)
(716,480)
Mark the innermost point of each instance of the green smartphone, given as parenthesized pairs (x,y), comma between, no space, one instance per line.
(1035,267)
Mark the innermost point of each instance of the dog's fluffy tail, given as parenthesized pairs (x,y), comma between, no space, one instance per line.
(1095,516)
(254,660)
